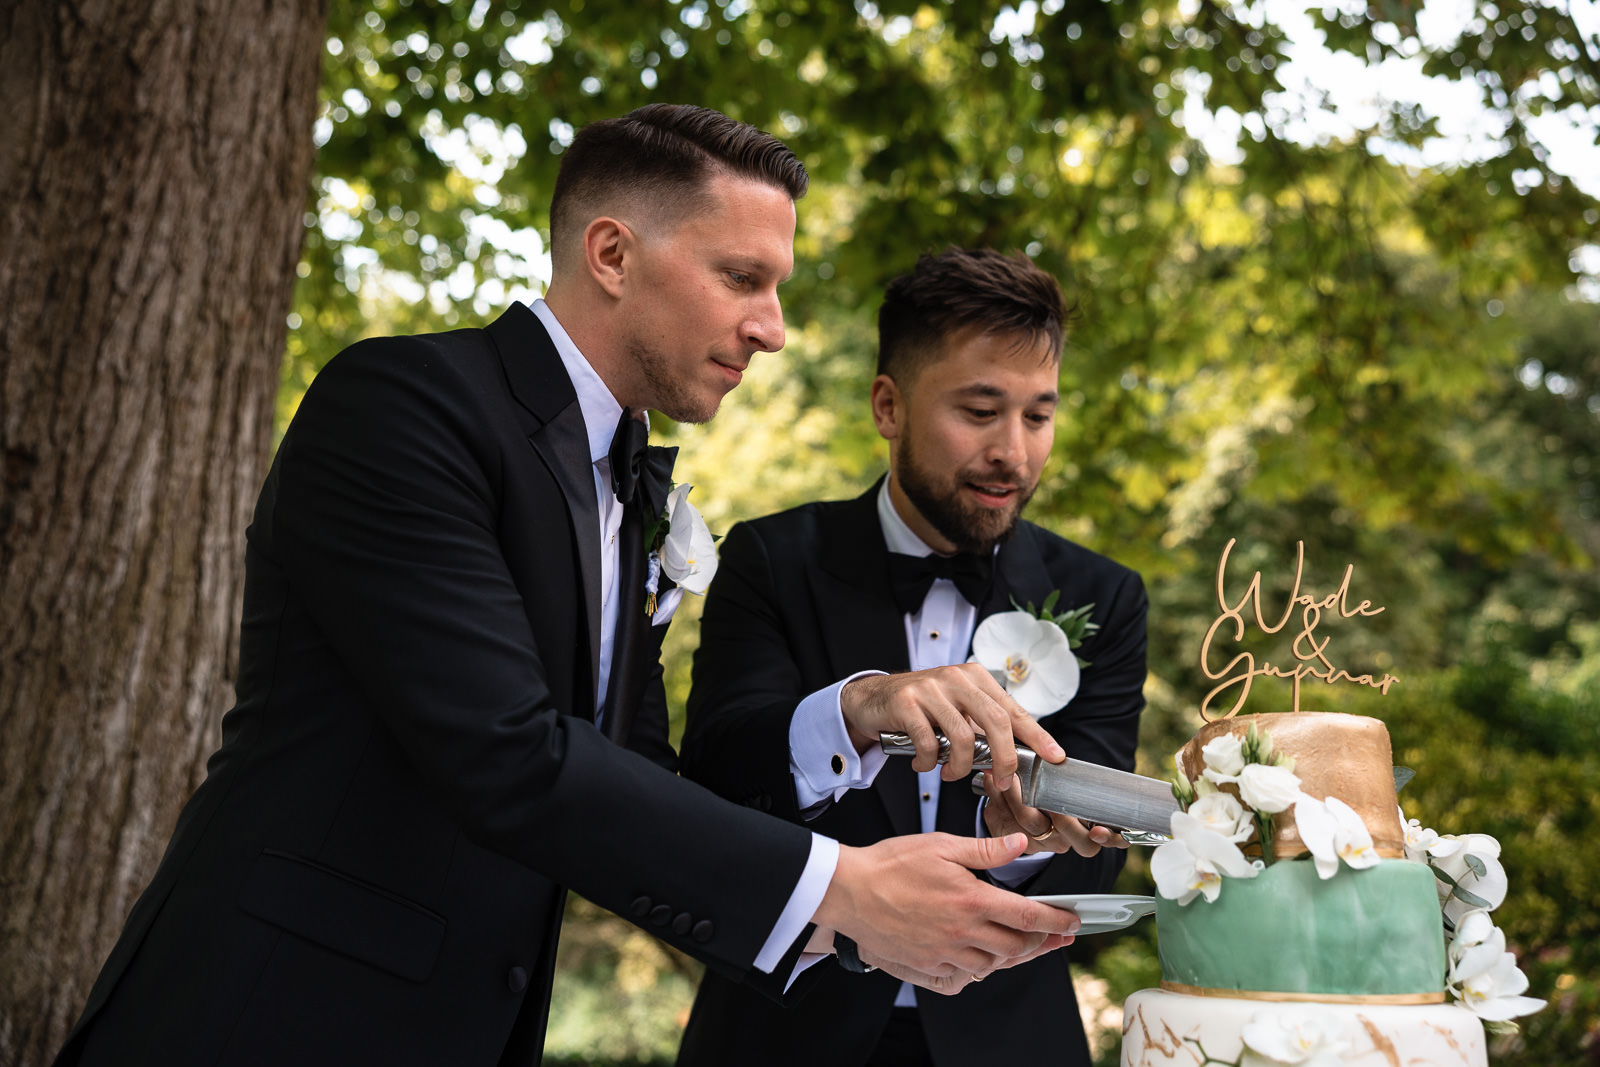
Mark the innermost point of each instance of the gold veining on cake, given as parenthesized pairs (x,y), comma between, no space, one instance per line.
(1380,1042)
(1305,648)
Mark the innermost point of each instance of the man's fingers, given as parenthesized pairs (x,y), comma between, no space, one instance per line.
(955,727)
(925,739)
(1027,730)
(987,704)
(1024,727)
(1080,838)
(986,853)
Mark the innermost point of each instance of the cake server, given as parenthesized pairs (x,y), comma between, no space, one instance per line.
(1141,808)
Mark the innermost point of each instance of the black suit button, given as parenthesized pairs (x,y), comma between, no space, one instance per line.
(516,979)
(703,930)
(660,914)
(681,923)
(766,803)
(641,907)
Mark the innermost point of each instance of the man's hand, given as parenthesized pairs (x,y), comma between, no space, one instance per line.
(913,907)
(1047,831)
(959,702)
(952,984)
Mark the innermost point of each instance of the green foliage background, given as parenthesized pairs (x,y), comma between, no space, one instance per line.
(1321,341)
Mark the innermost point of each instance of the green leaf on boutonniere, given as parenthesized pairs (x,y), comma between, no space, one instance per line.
(1075,623)
(656,528)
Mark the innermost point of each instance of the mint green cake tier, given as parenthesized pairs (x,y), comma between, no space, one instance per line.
(1370,932)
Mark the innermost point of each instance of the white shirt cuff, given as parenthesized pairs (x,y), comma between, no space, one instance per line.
(1018,870)
(803,903)
(822,758)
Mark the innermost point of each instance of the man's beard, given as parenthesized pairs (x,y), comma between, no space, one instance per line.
(674,398)
(970,529)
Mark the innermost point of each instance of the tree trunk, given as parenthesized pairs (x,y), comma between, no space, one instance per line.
(155,157)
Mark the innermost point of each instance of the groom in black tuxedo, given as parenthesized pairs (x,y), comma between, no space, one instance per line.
(450,706)
(810,606)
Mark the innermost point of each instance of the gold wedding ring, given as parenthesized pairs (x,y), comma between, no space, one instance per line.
(1040,838)
(977,978)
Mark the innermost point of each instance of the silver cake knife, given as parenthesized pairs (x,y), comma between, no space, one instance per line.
(1140,807)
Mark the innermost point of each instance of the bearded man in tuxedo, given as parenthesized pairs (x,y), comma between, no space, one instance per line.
(450,706)
(810,608)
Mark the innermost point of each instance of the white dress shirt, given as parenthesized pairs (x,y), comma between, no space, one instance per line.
(600,414)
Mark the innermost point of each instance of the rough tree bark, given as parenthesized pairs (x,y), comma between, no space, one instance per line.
(155,157)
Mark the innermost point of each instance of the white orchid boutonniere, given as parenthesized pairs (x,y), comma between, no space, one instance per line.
(1029,652)
(682,547)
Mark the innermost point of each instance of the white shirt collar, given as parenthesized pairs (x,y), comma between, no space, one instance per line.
(896,534)
(600,409)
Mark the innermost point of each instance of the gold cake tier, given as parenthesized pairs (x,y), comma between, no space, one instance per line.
(1338,755)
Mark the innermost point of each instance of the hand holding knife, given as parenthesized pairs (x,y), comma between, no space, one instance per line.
(1140,808)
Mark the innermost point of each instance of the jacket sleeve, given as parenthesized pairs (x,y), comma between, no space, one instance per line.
(390,485)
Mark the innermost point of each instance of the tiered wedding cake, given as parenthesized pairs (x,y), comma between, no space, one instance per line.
(1300,922)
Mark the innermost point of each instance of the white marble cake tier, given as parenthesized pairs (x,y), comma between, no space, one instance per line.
(1162,1029)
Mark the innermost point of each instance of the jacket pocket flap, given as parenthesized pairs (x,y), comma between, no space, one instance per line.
(340,913)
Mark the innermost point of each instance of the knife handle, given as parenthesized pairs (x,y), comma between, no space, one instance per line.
(983,759)
(898,744)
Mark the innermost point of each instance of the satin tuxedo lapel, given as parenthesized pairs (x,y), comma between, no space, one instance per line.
(1020,575)
(865,630)
(558,436)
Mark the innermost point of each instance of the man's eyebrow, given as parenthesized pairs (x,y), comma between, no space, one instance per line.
(994,392)
(753,265)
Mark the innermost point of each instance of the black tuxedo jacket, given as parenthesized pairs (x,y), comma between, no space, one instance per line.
(802,599)
(374,868)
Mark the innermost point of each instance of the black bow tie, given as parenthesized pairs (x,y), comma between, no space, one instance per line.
(637,469)
(910,576)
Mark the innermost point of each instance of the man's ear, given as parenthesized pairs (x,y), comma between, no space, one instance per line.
(888,407)
(607,247)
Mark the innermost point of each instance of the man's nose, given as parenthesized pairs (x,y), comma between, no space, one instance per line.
(763,331)
(1006,444)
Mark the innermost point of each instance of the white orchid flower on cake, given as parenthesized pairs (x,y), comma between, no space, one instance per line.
(689,553)
(1031,658)
(1224,756)
(1332,831)
(1196,860)
(1469,874)
(1268,787)
(1420,841)
(1483,975)
(1274,1038)
(1222,813)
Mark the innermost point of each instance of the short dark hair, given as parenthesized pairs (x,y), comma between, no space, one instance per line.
(665,154)
(961,288)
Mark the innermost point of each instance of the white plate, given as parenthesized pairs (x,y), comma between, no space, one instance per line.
(1102,912)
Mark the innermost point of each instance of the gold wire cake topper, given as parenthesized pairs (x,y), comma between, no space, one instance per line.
(1242,670)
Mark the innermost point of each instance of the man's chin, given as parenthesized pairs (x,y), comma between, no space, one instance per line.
(692,412)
